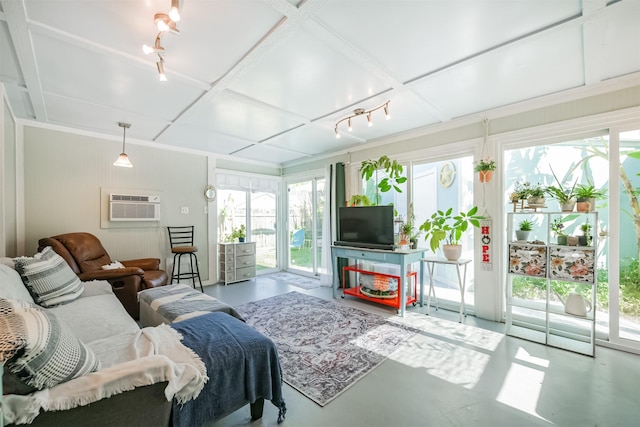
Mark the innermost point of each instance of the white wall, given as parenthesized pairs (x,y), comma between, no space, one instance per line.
(65,175)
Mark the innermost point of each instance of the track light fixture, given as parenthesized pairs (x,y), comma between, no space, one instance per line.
(160,65)
(166,22)
(359,112)
(123,159)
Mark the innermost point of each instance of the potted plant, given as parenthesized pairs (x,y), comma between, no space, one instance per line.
(444,226)
(359,200)
(485,168)
(585,239)
(239,233)
(558,228)
(564,196)
(393,170)
(587,196)
(524,228)
(409,233)
(536,195)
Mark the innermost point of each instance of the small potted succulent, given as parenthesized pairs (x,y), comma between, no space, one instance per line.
(536,195)
(524,228)
(585,239)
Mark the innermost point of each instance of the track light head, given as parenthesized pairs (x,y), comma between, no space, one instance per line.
(164,23)
(174,13)
(156,47)
(160,66)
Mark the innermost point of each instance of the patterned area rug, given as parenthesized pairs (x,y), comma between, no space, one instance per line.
(324,347)
(294,280)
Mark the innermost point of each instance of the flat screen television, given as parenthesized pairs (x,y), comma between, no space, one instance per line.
(366,227)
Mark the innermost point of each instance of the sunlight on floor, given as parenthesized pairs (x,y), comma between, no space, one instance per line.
(523,383)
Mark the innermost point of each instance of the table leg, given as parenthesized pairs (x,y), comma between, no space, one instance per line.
(402,289)
(461,285)
(431,266)
(336,275)
(421,283)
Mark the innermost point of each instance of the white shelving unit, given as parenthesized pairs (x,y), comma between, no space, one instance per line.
(545,271)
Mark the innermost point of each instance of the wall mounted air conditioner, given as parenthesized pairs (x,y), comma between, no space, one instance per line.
(126,207)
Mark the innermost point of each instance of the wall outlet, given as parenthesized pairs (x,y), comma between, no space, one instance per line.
(184,210)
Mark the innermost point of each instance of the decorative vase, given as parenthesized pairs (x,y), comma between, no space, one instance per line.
(414,244)
(562,240)
(568,207)
(241,239)
(583,241)
(522,235)
(452,252)
(485,176)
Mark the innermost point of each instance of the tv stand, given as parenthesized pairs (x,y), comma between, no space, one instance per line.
(390,300)
(398,257)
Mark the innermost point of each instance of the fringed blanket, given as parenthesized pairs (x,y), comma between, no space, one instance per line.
(129,360)
(242,364)
(179,302)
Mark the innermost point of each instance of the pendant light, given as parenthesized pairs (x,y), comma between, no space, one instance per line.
(123,159)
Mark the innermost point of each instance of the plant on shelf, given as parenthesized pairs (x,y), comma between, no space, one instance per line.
(585,239)
(393,179)
(485,168)
(520,192)
(239,233)
(565,196)
(524,228)
(558,228)
(587,196)
(536,195)
(444,226)
(408,231)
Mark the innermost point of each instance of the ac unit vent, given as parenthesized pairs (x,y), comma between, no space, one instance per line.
(125,207)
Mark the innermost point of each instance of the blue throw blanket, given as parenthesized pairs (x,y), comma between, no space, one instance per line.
(242,365)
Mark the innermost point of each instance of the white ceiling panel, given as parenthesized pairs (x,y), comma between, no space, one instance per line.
(267,80)
(621,46)
(78,73)
(293,73)
(230,115)
(267,153)
(532,68)
(410,39)
(200,138)
(310,141)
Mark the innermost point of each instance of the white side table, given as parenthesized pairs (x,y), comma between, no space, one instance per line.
(462,280)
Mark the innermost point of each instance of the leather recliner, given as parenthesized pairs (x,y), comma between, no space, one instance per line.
(85,255)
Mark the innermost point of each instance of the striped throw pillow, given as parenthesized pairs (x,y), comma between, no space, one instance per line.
(46,351)
(49,278)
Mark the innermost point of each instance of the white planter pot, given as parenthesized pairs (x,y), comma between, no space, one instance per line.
(452,252)
(522,235)
(568,207)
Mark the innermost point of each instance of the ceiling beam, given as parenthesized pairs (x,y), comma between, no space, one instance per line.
(16,17)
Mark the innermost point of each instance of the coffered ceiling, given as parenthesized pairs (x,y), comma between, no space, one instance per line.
(268,80)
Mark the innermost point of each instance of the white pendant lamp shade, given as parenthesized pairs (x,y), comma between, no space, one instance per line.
(123,159)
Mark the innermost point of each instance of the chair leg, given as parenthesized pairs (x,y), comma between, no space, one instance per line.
(173,268)
(179,276)
(198,274)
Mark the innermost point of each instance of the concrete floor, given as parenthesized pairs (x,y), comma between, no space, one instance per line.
(455,374)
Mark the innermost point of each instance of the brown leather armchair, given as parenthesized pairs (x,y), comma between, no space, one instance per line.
(85,255)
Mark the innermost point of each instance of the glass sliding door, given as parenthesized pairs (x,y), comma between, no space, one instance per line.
(627,313)
(264,230)
(306,203)
(439,186)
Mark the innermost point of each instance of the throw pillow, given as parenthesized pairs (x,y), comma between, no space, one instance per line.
(40,349)
(49,278)
(12,285)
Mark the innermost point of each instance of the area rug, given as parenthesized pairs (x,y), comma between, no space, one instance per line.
(324,347)
(294,280)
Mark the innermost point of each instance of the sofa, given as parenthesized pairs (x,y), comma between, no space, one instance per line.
(114,372)
(88,258)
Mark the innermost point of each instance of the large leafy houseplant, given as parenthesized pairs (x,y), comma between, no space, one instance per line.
(564,195)
(393,179)
(447,227)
